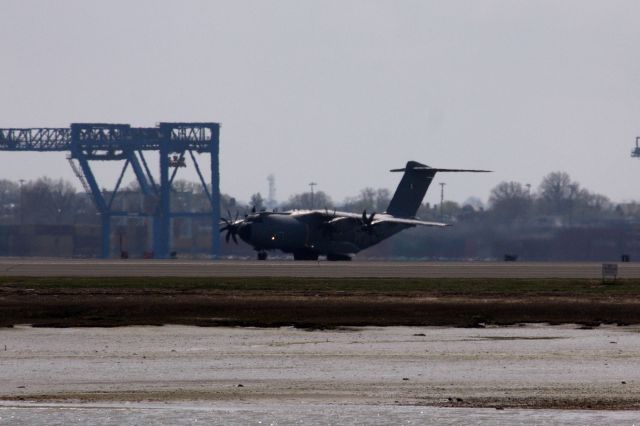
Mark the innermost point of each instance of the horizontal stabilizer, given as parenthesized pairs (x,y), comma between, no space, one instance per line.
(433,169)
(413,186)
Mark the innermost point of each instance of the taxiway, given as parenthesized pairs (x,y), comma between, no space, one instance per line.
(356,269)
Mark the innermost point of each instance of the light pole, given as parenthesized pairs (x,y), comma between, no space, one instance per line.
(442,184)
(312,185)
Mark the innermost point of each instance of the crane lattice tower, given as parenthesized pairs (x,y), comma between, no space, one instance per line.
(174,142)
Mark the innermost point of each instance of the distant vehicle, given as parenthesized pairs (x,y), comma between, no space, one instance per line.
(308,234)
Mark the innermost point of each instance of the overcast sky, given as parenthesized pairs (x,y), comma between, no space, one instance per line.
(338,92)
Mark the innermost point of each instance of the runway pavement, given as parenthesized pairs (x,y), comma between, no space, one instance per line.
(364,269)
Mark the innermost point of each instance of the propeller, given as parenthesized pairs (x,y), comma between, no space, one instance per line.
(332,215)
(231,226)
(367,221)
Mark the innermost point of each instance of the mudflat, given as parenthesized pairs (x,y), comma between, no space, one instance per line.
(528,366)
(315,302)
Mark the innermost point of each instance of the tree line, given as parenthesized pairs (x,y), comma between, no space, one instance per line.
(557,199)
(515,218)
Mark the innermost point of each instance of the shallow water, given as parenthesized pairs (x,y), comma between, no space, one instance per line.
(269,414)
(393,375)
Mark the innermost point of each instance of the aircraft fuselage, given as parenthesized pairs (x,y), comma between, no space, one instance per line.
(338,235)
(301,231)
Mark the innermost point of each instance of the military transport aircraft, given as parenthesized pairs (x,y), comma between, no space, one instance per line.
(308,234)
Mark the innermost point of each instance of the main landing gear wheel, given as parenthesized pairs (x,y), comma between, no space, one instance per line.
(262,255)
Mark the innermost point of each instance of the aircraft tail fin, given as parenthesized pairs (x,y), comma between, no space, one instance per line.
(413,187)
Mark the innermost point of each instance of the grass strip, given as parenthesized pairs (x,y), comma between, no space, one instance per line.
(438,286)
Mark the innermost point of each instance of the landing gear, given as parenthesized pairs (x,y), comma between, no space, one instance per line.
(305,256)
(338,257)
(262,255)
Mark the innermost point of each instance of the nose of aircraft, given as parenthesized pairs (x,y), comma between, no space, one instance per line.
(244,231)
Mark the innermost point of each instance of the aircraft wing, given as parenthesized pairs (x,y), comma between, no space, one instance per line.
(335,217)
(409,221)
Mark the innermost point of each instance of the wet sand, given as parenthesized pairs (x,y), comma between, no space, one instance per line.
(294,414)
(533,366)
(325,368)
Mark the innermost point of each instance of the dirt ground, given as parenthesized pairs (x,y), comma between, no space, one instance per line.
(106,307)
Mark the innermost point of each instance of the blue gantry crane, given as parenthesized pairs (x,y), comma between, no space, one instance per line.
(174,142)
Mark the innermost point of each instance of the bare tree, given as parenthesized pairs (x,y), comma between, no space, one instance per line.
(370,199)
(48,201)
(383,198)
(257,201)
(510,201)
(9,201)
(303,201)
(556,192)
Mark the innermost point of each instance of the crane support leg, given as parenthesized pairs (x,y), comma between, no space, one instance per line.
(162,221)
(139,172)
(99,202)
(214,149)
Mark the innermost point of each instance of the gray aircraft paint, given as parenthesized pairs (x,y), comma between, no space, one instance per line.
(411,190)
(308,234)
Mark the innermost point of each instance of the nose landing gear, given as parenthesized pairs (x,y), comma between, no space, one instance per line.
(262,255)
